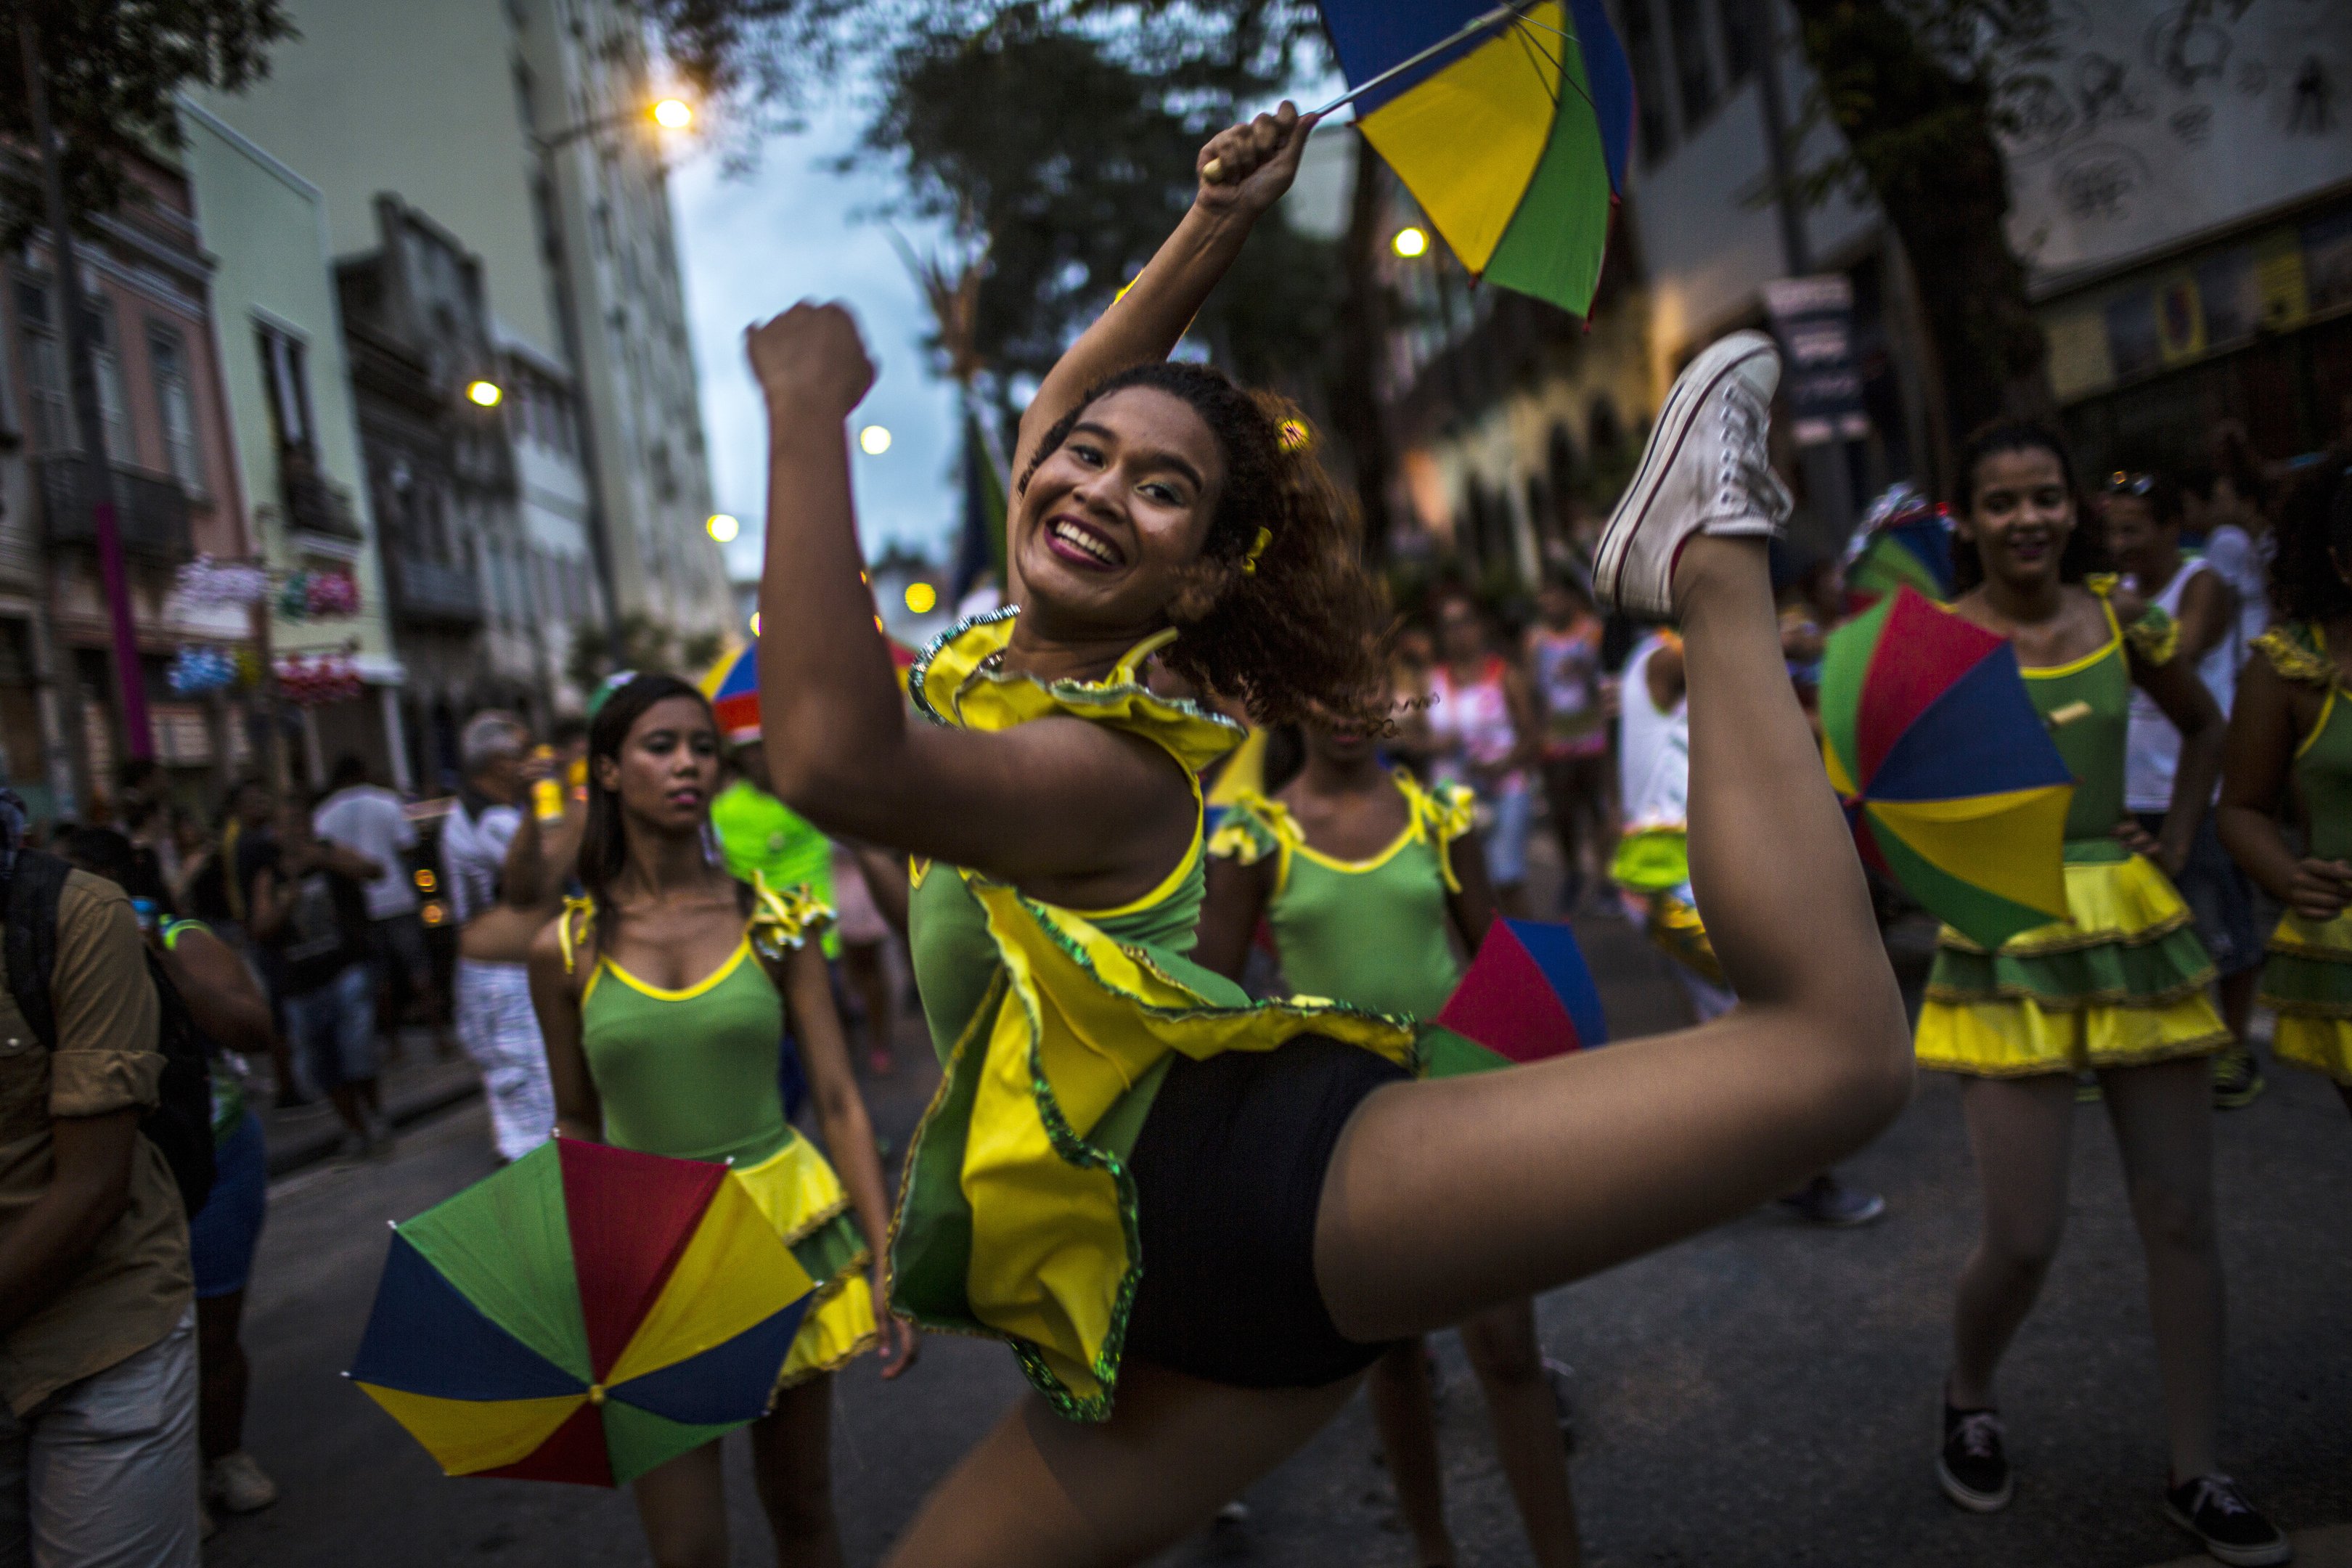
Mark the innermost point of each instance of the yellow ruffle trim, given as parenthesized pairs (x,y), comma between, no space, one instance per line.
(781,920)
(953,684)
(2320,1044)
(1257,825)
(2016,1038)
(797,1190)
(2155,637)
(1675,929)
(2130,901)
(2297,651)
(2330,942)
(1085,1019)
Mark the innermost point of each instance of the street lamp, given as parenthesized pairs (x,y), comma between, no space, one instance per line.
(673,115)
(873,440)
(723,528)
(1410,242)
(483,393)
(670,113)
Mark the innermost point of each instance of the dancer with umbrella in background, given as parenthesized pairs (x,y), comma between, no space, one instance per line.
(1195,1220)
(2117,988)
(1359,872)
(2293,720)
(662,995)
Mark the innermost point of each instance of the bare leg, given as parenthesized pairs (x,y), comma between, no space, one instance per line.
(1446,1197)
(1406,1413)
(1502,1345)
(2020,1130)
(2163,1118)
(683,1506)
(791,1459)
(223,1375)
(1043,1492)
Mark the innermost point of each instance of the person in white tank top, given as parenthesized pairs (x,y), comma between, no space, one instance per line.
(2144,518)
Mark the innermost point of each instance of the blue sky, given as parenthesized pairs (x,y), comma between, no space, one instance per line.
(752,245)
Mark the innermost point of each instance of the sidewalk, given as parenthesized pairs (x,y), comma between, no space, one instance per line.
(415,1086)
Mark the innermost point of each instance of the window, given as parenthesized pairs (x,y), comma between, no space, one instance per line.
(167,356)
(1744,23)
(1649,86)
(289,388)
(44,370)
(1693,70)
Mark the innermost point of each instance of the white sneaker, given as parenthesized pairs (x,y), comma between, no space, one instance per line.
(1705,470)
(238,1484)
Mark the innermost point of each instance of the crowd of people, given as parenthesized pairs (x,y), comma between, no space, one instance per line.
(1174,972)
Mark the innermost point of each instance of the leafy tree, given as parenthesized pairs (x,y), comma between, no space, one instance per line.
(634,641)
(1916,90)
(112,68)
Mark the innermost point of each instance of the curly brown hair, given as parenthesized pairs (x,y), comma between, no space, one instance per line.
(1305,630)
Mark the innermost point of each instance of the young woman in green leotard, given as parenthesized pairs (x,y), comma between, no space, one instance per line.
(1196,1220)
(2293,719)
(662,996)
(1359,871)
(2118,988)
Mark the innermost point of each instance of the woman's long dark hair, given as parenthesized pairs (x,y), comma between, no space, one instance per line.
(604,841)
(2083,553)
(2315,530)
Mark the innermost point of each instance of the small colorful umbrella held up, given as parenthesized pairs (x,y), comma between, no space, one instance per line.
(1508,123)
(1949,777)
(733,687)
(1905,538)
(583,1315)
(1528,996)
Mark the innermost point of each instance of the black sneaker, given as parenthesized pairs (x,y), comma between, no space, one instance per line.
(1972,1469)
(2216,1513)
(2237,1079)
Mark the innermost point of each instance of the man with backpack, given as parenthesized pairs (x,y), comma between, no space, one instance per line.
(97,1352)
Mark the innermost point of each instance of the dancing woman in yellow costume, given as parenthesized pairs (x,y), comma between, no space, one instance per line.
(1196,1220)
(662,996)
(2118,988)
(2293,720)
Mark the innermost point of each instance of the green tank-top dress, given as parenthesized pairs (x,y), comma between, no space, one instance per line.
(691,1074)
(2307,976)
(1369,932)
(2120,982)
(1055,1027)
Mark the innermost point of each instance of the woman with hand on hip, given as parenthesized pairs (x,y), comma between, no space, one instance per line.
(662,996)
(1197,1220)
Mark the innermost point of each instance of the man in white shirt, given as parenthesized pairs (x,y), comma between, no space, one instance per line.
(363,816)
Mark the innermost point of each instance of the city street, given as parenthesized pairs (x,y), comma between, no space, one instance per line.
(1762,1394)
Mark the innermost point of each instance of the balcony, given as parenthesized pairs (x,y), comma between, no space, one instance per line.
(431,593)
(314,504)
(151,511)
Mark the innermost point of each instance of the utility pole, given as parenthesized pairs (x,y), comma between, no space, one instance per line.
(82,375)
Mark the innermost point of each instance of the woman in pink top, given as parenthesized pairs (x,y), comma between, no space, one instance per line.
(1563,659)
(1482,732)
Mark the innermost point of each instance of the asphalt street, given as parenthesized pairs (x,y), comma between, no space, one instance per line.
(1765,1394)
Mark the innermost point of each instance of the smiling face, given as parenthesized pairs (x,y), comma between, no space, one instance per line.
(2135,538)
(1112,516)
(1460,632)
(1337,744)
(2021,516)
(668,767)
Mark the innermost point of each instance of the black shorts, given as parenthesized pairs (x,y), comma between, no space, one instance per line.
(1228,1173)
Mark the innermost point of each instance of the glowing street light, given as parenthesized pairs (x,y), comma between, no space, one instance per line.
(673,115)
(921,597)
(483,393)
(1410,242)
(873,440)
(723,528)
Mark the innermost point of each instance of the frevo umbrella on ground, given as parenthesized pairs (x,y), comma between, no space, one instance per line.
(1509,124)
(1949,774)
(1528,995)
(583,1315)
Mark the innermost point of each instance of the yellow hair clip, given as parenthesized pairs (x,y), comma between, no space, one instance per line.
(1256,549)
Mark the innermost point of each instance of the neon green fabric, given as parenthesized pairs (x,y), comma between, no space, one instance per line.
(690,1074)
(757,832)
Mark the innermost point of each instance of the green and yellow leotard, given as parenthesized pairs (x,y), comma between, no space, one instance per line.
(1368,932)
(2122,981)
(2308,975)
(691,1074)
(1054,1028)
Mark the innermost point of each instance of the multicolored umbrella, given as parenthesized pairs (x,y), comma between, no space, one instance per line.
(1528,996)
(1951,781)
(1906,539)
(583,1315)
(733,687)
(1508,123)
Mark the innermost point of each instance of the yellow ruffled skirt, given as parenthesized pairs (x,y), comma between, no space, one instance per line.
(2121,983)
(801,1196)
(2308,981)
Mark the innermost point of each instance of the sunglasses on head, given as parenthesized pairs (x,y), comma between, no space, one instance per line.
(2121,483)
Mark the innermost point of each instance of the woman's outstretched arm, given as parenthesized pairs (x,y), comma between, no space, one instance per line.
(1448,1196)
